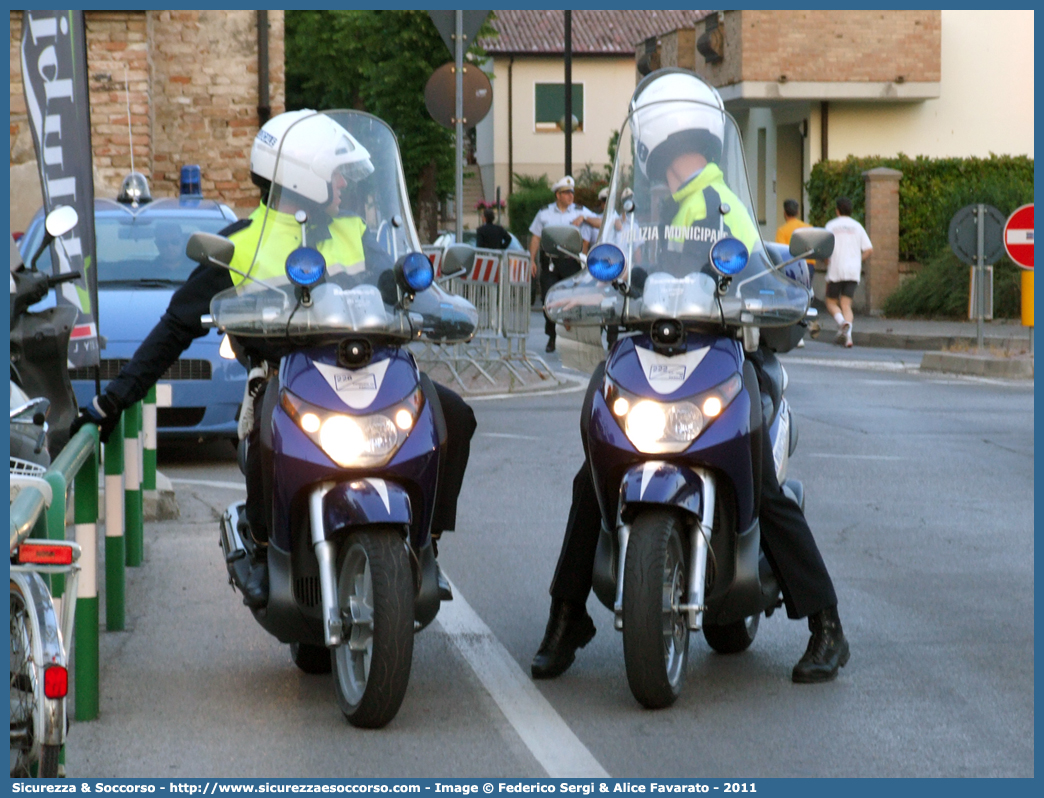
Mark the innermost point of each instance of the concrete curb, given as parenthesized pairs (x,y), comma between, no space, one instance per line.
(157,505)
(978,365)
(927,343)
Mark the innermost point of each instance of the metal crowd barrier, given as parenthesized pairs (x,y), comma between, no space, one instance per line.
(33,514)
(498,285)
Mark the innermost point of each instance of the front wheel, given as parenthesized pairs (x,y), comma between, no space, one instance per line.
(375,596)
(732,638)
(655,632)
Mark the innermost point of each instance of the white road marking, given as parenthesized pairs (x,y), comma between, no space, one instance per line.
(548,737)
(210,483)
(578,385)
(868,365)
(856,456)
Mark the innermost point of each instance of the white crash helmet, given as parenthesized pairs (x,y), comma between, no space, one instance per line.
(674,111)
(310,147)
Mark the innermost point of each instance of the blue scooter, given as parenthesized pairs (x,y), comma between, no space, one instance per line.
(673,423)
(351,437)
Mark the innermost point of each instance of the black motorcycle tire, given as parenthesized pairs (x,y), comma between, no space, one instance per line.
(732,638)
(310,658)
(374,569)
(655,634)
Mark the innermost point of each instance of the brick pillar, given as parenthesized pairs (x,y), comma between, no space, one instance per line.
(881,270)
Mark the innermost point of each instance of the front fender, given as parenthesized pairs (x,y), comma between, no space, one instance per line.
(660,483)
(365,501)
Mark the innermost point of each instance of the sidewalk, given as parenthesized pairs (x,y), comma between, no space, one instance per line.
(1002,334)
(948,346)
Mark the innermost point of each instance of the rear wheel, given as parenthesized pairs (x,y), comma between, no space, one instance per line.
(311,659)
(655,632)
(375,596)
(732,638)
(49,762)
(24,694)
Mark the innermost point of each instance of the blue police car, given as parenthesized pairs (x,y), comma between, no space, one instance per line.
(141,262)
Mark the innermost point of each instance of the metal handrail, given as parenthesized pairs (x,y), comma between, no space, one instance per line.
(30,502)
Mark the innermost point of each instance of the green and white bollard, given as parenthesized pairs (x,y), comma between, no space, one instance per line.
(85,518)
(133,509)
(148,456)
(115,542)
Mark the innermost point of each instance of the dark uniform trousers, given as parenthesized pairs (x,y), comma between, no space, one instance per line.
(785,536)
(460,422)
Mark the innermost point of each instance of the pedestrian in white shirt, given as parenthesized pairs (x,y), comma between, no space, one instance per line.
(851,247)
(561,211)
(591,224)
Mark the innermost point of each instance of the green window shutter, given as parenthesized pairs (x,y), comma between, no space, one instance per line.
(550,106)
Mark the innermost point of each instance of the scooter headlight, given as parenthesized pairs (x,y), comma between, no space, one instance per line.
(668,427)
(355,441)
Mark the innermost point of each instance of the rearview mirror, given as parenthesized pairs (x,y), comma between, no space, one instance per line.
(61,220)
(58,222)
(458,260)
(812,242)
(561,239)
(210,249)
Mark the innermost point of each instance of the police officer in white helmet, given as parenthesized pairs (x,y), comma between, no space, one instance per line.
(677,126)
(301,161)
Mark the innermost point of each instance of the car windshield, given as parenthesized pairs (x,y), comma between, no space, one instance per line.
(143,249)
(666,226)
(351,193)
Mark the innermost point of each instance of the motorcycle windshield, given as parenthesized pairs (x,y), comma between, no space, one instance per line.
(666,225)
(340,171)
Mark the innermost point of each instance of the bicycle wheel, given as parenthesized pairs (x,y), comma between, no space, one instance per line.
(24,704)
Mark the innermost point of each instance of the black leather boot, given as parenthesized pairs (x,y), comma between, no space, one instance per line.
(255,590)
(827,649)
(568,628)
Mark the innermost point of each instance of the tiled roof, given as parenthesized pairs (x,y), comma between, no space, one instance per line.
(594,32)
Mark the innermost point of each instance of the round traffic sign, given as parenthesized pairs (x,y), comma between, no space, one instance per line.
(440,94)
(964,234)
(1018,236)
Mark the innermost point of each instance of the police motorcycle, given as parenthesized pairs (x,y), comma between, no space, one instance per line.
(351,432)
(674,429)
(41,392)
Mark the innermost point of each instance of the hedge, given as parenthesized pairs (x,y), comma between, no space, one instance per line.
(931,191)
(940,289)
(522,208)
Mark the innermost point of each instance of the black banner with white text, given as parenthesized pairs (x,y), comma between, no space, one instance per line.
(54,73)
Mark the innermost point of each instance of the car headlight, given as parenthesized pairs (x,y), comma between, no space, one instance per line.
(668,427)
(355,441)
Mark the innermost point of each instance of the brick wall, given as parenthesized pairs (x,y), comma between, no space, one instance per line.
(834,46)
(192,81)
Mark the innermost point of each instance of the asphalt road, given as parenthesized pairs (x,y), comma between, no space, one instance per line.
(919,490)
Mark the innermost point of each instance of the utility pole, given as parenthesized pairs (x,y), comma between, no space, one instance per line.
(458,116)
(568,92)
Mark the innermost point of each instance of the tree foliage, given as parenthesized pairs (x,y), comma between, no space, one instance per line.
(379,62)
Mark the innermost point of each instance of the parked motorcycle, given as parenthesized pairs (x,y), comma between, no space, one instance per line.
(674,429)
(352,434)
(41,392)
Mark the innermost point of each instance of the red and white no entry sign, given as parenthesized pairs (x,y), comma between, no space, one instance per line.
(1018,236)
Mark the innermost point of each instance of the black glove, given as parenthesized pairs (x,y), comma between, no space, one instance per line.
(102,411)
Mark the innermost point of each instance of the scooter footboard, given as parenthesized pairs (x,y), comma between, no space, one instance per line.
(743,597)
